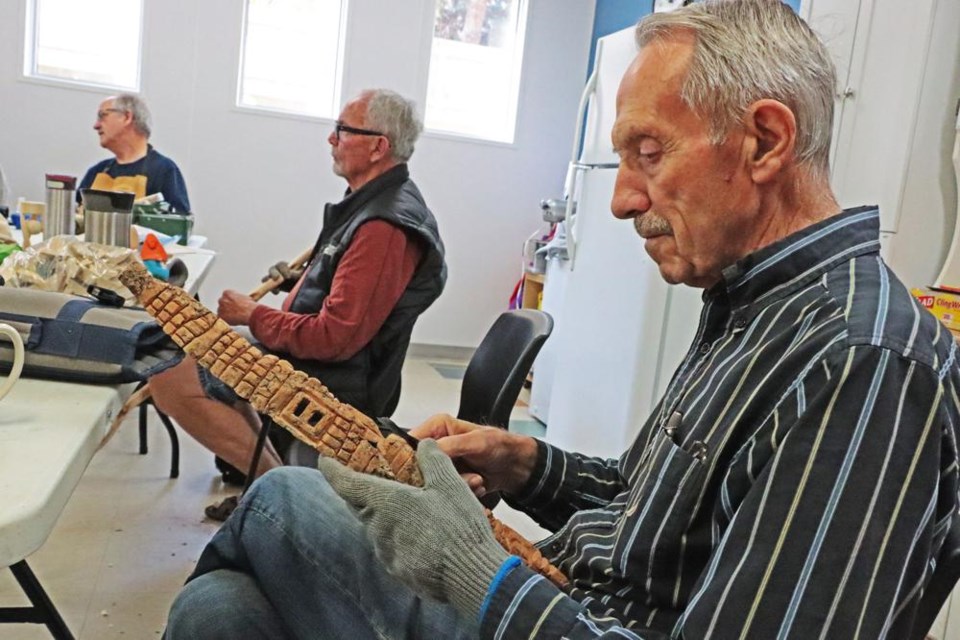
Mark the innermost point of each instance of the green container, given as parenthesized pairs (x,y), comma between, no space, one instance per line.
(8,248)
(172,224)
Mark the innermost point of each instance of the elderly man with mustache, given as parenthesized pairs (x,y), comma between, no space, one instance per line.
(797,478)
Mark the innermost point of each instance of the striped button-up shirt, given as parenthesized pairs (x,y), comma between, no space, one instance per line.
(796,480)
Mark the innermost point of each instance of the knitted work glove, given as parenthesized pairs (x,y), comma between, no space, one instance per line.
(435,538)
(282,270)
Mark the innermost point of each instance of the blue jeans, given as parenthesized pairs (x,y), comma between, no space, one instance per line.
(293,561)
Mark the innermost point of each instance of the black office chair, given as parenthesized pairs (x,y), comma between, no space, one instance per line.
(492,381)
(500,364)
(945,577)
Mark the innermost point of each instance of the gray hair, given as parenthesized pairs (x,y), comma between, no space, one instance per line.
(396,117)
(137,108)
(749,50)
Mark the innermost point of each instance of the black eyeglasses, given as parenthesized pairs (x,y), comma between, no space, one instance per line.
(339,127)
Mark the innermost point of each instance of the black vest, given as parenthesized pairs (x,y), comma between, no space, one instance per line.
(370,380)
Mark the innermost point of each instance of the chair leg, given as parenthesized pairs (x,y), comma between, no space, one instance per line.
(143,428)
(143,418)
(257,451)
(171,432)
(174,443)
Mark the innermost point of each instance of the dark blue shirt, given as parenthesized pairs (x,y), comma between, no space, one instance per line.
(797,479)
(162,175)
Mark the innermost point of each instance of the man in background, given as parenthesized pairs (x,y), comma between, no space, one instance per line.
(797,478)
(376,266)
(123,125)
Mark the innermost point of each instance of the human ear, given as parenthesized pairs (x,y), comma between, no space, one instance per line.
(381,149)
(772,128)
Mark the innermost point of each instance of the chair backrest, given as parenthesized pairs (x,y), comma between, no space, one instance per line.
(500,364)
(945,577)
(494,376)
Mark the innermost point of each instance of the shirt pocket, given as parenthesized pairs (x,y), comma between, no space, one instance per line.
(650,542)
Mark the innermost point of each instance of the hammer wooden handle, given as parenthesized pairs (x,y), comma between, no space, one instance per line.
(266,287)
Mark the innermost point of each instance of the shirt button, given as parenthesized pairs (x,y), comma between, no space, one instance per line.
(739,322)
(705,348)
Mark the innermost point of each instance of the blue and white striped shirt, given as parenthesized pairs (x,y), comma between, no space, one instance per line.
(796,480)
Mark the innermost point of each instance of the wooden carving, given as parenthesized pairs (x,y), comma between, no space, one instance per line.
(298,403)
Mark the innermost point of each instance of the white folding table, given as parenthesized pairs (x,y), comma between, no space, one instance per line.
(49,432)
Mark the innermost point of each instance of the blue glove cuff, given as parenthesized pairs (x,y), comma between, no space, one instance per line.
(508,565)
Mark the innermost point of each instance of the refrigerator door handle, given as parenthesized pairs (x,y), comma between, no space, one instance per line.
(573,215)
(587,166)
(589,90)
(573,170)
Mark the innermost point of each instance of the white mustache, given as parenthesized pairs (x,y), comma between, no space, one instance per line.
(650,224)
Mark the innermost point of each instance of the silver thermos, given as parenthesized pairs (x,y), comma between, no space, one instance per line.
(107,216)
(59,218)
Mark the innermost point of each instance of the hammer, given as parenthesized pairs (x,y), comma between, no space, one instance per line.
(299,262)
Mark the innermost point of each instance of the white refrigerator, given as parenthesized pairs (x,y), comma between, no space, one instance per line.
(620,330)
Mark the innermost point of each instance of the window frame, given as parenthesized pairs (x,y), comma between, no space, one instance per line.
(30,42)
(523,21)
(279,112)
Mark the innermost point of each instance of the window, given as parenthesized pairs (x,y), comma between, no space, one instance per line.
(475,61)
(292,55)
(89,41)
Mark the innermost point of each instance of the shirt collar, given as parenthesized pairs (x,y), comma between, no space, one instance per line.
(794,261)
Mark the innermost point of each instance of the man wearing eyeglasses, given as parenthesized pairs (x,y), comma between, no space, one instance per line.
(123,125)
(376,266)
(797,480)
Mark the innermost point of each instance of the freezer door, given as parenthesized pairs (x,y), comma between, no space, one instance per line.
(614,54)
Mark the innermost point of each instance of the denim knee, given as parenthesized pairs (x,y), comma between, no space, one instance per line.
(290,483)
(223,604)
(301,500)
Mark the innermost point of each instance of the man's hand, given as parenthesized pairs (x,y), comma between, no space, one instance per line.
(452,559)
(282,270)
(489,458)
(235,307)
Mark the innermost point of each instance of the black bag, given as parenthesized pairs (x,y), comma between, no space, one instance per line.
(67,337)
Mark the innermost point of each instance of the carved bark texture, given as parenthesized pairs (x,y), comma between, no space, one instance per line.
(295,401)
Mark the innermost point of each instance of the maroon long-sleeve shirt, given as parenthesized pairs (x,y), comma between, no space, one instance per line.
(372,275)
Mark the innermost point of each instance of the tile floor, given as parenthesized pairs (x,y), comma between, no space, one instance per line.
(130,535)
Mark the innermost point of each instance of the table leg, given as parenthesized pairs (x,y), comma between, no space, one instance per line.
(42,612)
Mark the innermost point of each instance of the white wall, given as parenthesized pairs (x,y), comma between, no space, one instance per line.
(257,182)
(929,205)
(897,139)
